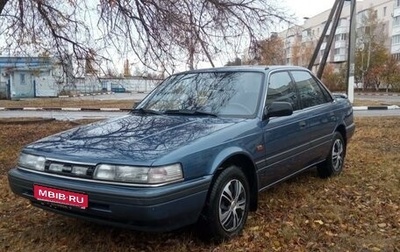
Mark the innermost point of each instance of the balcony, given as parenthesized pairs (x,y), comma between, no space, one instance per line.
(395,48)
(340,58)
(341,44)
(396,11)
(342,30)
(396,30)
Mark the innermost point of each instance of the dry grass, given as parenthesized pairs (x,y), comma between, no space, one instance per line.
(92,102)
(357,211)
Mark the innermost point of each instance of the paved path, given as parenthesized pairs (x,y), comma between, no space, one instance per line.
(81,113)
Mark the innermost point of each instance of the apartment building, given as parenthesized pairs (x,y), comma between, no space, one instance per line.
(395,29)
(300,41)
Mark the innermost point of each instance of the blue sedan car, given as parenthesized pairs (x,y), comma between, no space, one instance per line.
(198,149)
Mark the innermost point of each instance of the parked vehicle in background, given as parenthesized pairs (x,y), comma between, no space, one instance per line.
(199,148)
(117,88)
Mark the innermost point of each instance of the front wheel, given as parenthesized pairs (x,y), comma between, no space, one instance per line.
(333,164)
(227,207)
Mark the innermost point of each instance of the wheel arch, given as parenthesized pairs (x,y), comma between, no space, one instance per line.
(342,130)
(244,162)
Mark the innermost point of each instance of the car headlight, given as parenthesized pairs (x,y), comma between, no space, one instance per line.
(31,162)
(140,175)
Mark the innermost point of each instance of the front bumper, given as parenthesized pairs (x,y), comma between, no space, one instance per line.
(141,208)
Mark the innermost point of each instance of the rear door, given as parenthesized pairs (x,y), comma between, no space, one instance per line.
(317,104)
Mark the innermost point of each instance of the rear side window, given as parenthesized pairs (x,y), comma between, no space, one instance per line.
(281,89)
(311,93)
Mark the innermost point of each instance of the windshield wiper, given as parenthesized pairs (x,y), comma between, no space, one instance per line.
(189,112)
(146,111)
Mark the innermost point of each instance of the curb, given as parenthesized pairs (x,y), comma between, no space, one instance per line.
(362,108)
(379,94)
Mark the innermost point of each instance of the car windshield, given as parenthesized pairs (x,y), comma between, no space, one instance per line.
(207,93)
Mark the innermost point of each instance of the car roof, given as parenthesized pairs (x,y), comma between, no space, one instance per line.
(258,68)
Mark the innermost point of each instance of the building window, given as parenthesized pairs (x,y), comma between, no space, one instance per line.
(396,40)
(384,11)
(398,3)
(396,56)
(341,37)
(340,51)
(396,21)
(343,22)
(362,16)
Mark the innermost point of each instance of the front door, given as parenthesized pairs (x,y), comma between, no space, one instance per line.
(284,137)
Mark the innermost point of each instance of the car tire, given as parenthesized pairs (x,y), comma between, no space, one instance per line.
(333,165)
(227,206)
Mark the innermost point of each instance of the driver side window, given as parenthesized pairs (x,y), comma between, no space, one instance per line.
(281,89)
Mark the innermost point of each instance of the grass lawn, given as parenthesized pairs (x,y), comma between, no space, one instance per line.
(92,102)
(356,211)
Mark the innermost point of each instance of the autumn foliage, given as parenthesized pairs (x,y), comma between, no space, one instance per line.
(334,79)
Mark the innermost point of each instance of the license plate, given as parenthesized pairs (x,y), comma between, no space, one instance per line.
(58,196)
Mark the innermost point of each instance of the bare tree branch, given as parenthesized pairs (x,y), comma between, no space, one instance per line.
(158,33)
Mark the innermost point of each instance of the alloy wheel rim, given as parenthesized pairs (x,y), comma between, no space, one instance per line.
(232,205)
(337,155)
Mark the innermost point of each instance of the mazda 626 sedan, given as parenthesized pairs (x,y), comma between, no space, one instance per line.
(198,149)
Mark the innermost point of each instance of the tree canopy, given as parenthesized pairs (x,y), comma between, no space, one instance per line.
(270,51)
(158,33)
(372,54)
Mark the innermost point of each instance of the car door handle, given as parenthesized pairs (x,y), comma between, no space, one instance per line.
(302,124)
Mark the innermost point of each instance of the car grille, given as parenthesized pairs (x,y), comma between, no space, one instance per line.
(69,169)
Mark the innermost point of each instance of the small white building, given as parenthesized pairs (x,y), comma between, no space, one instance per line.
(29,77)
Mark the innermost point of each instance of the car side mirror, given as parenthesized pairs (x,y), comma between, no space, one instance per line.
(277,109)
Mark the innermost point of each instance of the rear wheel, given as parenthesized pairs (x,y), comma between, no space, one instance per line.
(333,164)
(227,207)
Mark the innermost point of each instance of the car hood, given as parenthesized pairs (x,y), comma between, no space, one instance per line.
(131,139)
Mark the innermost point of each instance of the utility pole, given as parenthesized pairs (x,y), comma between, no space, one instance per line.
(351,52)
(333,20)
(324,32)
(331,37)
